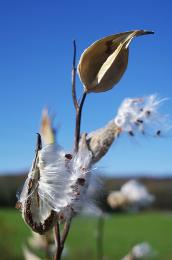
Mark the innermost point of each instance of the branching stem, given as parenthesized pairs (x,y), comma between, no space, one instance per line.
(78,107)
(65,231)
(78,121)
(60,239)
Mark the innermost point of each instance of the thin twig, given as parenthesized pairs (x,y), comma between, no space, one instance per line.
(65,231)
(75,102)
(61,241)
(57,238)
(78,121)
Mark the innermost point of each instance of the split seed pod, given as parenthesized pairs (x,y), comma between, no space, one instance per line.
(57,182)
(36,211)
(103,63)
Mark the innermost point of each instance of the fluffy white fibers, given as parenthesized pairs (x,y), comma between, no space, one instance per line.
(141,114)
(61,179)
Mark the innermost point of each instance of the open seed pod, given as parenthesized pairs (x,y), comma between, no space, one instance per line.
(36,212)
(103,63)
(56,183)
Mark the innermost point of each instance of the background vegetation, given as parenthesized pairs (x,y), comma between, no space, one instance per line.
(121,233)
(160,187)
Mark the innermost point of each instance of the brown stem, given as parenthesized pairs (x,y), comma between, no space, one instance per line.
(65,231)
(77,106)
(78,121)
(75,102)
(61,241)
(57,238)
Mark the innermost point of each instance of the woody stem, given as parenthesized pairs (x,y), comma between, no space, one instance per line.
(78,121)
(58,242)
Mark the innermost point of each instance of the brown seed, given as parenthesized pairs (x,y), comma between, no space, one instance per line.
(158,133)
(131,133)
(81,181)
(148,113)
(139,121)
(68,156)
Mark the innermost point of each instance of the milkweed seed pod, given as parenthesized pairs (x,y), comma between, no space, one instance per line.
(103,63)
(100,140)
(137,194)
(117,199)
(47,132)
(29,255)
(56,183)
(43,242)
(35,209)
(140,251)
(132,195)
(128,257)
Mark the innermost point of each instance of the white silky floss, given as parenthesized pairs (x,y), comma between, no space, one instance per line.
(135,114)
(54,185)
(137,194)
(81,173)
(63,182)
(140,251)
(90,206)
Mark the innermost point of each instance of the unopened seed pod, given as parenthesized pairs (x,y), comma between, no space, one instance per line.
(117,199)
(103,63)
(100,140)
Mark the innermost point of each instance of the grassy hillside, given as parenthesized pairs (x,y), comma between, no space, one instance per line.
(121,233)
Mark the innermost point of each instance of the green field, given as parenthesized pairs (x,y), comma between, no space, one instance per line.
(121,233)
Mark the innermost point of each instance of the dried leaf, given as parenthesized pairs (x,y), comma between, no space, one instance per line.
(102,64)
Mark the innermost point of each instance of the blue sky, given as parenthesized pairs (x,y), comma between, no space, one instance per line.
(35,71)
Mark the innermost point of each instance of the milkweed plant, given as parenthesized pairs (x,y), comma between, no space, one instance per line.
(57,182)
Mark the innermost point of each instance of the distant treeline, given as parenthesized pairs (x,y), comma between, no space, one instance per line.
(9,187)
(161,188)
